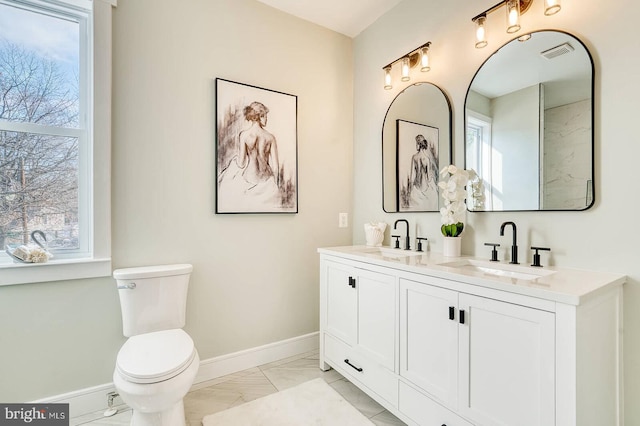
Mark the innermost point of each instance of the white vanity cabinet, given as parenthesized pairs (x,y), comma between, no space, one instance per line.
(492,360)
(429,339)
(507,368)
(437,347)
(360,325)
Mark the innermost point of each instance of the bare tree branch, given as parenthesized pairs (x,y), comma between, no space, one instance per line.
(38,173)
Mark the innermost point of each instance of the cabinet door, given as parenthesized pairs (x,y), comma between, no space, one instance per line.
(506,363)
(377,317)
(341,307)
(429,339)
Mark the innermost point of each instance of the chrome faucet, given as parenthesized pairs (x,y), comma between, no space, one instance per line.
(514,246)
(407,240)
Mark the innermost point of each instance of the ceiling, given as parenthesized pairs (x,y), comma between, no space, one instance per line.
(518,65)
(348,17)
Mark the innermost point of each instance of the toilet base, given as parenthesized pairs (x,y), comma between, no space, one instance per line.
(157,404)
(174,416)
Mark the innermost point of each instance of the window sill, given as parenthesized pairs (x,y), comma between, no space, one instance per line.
(58,270)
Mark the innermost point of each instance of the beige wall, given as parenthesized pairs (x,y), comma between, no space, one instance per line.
(577,239)
(255,277)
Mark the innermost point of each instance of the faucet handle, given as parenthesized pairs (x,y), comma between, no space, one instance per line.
(536,256)
(494,252)
(397,237)
(420,239)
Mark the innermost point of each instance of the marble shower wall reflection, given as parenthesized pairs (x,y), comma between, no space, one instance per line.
(567,157)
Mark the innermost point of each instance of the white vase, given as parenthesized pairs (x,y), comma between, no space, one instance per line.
(374,233)
(452,246)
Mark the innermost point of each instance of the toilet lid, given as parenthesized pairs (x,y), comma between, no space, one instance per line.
(154,357)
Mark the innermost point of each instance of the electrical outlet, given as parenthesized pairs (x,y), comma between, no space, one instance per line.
(343,220)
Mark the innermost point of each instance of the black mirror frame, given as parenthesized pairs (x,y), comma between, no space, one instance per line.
(593,77)
(450,145)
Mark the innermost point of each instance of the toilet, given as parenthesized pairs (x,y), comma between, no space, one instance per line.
(156,366)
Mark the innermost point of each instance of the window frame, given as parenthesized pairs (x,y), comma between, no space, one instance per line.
(93,259)
(483,151)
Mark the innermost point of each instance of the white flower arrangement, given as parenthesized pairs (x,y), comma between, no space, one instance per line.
(452,188)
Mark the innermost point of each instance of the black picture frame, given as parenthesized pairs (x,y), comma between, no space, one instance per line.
(256,149)
(417,167)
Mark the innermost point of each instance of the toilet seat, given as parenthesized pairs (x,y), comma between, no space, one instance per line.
(155,357)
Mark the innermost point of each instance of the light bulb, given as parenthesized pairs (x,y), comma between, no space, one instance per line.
(551,7)
(405,69)
(524,37)
(424,59)
(387,78)
(513,16)
(481,35)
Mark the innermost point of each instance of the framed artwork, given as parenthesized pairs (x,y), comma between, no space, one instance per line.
(256,149)
(417,166)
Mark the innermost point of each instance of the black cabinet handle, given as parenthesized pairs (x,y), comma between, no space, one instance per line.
(452,313)
(461,317)
(358,369)
(352,282)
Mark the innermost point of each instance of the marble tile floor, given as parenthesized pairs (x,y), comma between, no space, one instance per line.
(235,389)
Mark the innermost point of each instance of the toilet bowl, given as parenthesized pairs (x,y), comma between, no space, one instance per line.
(156,366)
(153,373)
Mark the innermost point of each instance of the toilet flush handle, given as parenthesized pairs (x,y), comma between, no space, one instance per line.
(129,286)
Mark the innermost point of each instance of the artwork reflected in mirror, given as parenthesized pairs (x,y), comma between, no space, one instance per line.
(416,141)
(417,166)
(529,126)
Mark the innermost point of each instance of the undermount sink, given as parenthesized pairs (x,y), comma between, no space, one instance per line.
(498,269)
(389,252)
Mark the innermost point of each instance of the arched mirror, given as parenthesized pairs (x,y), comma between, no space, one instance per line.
(416,142)
(529,126)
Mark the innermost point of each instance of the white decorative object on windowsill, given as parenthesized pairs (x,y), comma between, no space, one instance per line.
(35,252)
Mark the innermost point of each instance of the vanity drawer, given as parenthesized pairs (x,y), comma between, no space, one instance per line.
(362,369)
(424,411)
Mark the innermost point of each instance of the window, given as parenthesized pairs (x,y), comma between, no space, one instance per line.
(479,152)
(49,170)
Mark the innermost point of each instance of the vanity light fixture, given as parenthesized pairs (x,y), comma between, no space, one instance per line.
(405,68)
(514,9)
(481,32)
(424,59)
(551,7)
(387,77)
(513,16)
(408,61)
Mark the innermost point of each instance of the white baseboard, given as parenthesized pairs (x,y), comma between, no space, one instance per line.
(213,368)
(94,399)
(83,401)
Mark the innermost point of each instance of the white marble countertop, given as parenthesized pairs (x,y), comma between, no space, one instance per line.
(564,285)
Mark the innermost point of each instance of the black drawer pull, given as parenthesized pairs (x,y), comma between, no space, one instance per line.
(461,317)
(358,369)
(452,313)
(352,282)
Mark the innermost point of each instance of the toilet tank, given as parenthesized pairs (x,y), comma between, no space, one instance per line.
(153,298)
